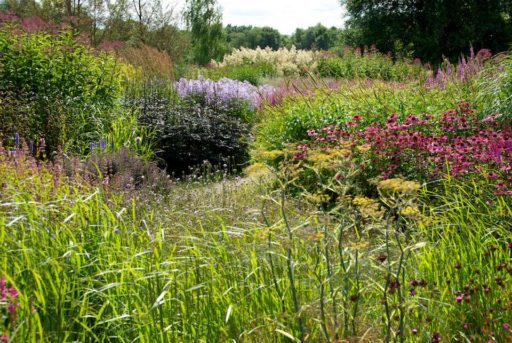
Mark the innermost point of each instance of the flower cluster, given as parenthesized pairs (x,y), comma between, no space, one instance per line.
(288,62)
(224,91)
(8,306)
(464,71)
(427,147)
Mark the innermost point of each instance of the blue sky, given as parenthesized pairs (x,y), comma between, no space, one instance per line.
(284,15)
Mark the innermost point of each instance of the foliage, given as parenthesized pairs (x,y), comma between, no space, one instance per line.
(372,100)
(317,37)
(252,73)
(495,89)
(253,37)
(425,148)
(368,64)
(209,263)
(208,122)
(52,86)
(204,20)
(429,30)
(151,62)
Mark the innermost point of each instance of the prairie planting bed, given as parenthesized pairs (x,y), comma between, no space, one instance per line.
(358,198)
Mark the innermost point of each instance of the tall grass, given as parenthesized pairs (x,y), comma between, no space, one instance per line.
(234,261)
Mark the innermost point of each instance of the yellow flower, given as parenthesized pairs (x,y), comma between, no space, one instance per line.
(411,212)
(273,154)
(257,170)
(363,201)
(399,185)
(365,147)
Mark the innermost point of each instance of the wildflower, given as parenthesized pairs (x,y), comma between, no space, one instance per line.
(11,308)
(414,331)
(399,185)
(393,286)
(506,326)
(382,257)
(410,211)
(4,338)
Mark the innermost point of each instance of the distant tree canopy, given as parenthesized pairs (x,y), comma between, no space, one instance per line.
(135,22)
(317,37)
(252,37)
(430,29)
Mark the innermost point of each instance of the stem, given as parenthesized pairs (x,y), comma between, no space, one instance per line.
(289,260)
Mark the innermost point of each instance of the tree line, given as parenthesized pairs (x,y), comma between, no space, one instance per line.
(425,29)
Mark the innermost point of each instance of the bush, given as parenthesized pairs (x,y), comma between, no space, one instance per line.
(207,121)
(52,86)
(371,65)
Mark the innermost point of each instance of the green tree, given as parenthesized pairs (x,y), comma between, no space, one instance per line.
(429,29)
(252,37)
(316,37)
(204,20)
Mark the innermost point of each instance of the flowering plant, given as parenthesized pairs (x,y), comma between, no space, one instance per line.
(422,147)
(8,306)
(224,91)
(288,62)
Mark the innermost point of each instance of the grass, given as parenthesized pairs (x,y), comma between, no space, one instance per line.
(236,262)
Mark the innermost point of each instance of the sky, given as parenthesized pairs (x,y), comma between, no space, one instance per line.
(283,15)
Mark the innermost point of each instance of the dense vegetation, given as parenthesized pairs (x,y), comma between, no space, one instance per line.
(273,196)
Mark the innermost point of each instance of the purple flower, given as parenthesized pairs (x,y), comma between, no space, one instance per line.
(225,90)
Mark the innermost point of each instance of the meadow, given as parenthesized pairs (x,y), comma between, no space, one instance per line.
(273,196)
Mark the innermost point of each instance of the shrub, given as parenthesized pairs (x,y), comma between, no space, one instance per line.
(52,86)
(372,65)
(210,122)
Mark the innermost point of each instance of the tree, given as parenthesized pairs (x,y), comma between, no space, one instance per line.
(204,20)
(429,29)
(316,37)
